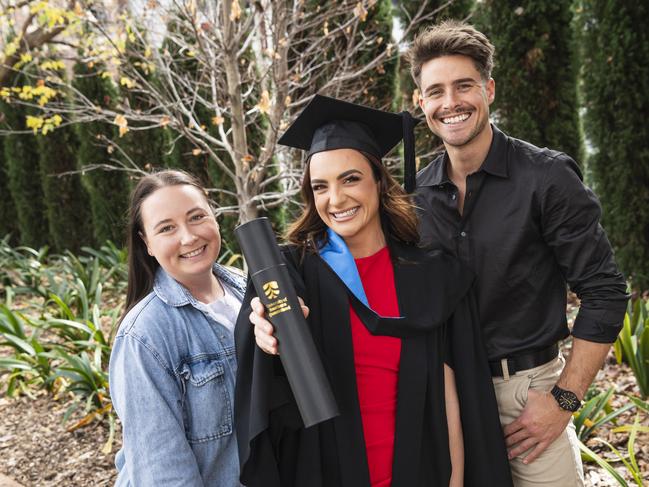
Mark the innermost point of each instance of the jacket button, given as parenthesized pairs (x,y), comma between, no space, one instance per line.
(463,234)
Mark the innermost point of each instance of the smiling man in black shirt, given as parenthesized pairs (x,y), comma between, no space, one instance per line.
(523,221)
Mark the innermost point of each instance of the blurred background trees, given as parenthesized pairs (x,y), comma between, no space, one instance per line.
(615,92)
(96,93)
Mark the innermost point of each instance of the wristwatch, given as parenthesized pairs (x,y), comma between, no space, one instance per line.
(567,400)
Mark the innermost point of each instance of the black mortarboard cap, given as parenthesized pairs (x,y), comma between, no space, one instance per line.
(328,124)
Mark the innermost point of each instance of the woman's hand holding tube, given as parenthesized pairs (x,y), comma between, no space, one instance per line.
(264,329)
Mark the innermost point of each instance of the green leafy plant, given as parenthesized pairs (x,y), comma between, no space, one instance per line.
(21,268)
(85,376)
(595,412)
(111,257)
(629,460)
(632,344)
(67,346)
(30,364)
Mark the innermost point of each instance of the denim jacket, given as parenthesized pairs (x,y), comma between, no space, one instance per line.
(172,373)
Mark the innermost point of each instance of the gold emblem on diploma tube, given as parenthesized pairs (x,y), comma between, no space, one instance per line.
(271,289)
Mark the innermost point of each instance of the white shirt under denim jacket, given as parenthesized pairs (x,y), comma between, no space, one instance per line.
(172,373)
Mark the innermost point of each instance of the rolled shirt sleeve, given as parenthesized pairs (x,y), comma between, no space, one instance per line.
(570,223)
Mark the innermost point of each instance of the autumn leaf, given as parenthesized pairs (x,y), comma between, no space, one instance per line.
(52,66)
(127,82)
(122,123)
(264,103)
(325,28)
(235,11)
(196,152)
(164,121)
(34,123)
(360,12)
(217,120)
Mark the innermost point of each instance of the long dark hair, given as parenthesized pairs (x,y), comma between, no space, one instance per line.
(141,266)
(398,217)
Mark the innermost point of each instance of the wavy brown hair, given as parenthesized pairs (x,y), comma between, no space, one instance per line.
(449,38)
(398,217)
(141,266)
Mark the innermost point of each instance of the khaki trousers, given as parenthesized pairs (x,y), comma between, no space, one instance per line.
(560,464)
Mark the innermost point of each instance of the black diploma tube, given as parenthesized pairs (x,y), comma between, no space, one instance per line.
(298,353)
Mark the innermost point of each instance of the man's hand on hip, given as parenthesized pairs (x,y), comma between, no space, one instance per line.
(540,423)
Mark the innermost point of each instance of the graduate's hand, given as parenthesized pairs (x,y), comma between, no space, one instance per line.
(540,423)
(264,329)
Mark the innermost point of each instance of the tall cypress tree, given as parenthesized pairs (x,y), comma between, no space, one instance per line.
(23,178)
(615,86)
(7,208)
(66,201)
(535,72)
(108,190)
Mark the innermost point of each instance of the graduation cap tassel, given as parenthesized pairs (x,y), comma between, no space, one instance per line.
(410,168)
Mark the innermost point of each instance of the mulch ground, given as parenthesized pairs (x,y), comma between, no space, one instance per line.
(37,450)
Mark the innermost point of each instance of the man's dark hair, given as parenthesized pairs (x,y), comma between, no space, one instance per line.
(450,38)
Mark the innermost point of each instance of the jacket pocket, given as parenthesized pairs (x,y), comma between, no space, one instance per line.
(207,405)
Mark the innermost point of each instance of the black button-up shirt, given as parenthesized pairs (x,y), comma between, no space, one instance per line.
(529,226)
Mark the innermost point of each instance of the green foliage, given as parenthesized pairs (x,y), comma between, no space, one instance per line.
(66,348)
(20,268)
(7,208)
(595,412)
(65,199)
(24,179)
(632,344)
(615,86)
(108,189)
(629,460)
(535,71)
(30,363)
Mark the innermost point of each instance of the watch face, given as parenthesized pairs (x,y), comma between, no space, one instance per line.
(567,400)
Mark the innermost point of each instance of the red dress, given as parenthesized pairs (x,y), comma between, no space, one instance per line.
(376,359)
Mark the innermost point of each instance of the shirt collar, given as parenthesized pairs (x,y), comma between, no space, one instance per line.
(497,160)
(173,293)
(496,163)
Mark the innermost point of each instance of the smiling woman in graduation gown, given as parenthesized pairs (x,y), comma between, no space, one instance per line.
(436,325)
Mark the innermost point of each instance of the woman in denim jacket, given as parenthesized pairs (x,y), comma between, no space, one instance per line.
(173,364)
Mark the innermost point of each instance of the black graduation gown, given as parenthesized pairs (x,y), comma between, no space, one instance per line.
(440,323)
